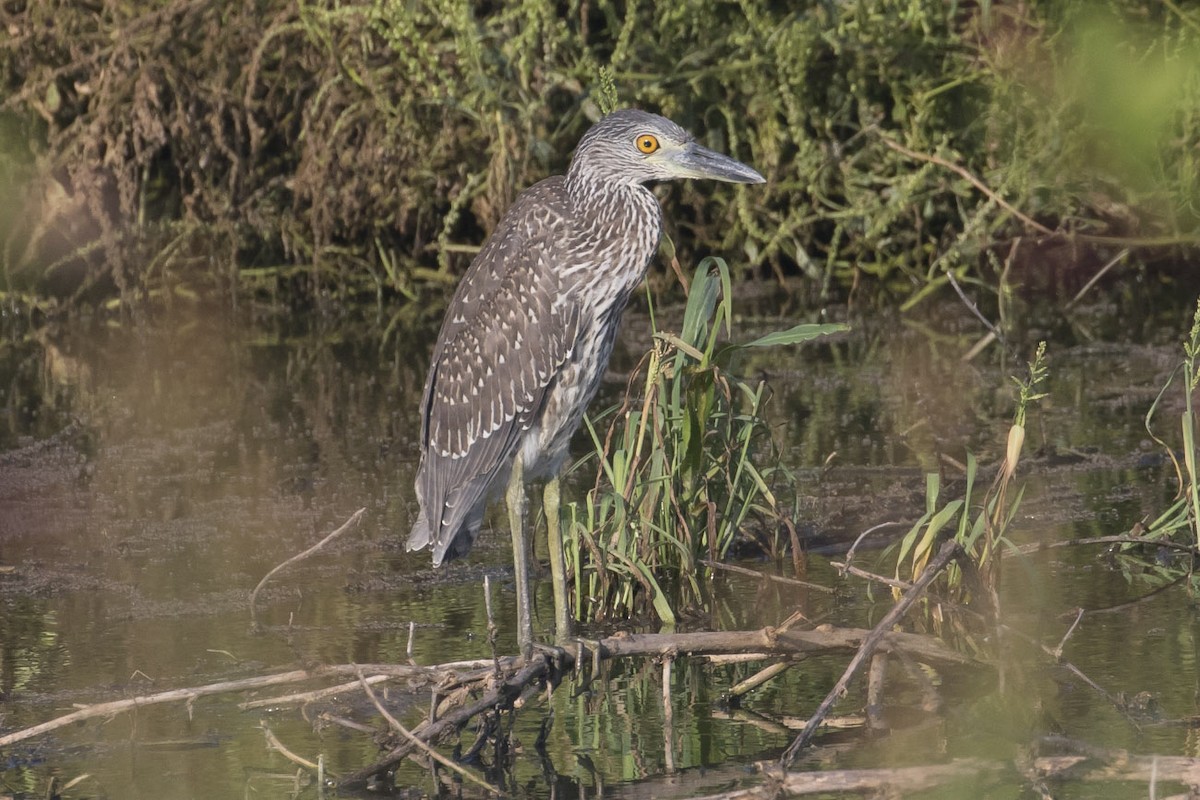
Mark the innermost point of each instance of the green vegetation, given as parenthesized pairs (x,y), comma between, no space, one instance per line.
(333,151)
(686,463)
(1179,524)
(980,529)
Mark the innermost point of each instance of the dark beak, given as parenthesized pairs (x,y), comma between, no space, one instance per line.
(695,161)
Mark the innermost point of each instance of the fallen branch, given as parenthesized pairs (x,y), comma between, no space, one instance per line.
(825,639)
(274,743)
(765,576)
(503,680)
(950,550)
(503,693)
(768,673)
(175,695)
(420,745)
(308,697)
(115,707)
(896,781)
(767,641)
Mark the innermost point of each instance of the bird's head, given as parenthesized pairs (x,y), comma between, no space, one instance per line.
(634,147)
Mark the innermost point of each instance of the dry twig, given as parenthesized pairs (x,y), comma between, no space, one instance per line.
(308,697)
(274,743)
(950,550)
(347,525)
(766,576)
(420,745)
(976,182)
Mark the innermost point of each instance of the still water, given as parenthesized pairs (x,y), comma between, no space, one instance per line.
(151,473)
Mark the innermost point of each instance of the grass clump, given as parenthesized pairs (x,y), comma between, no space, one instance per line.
(979,525)
(686,463)
(1179,524)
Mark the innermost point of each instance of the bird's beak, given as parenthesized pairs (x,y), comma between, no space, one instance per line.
(695,161)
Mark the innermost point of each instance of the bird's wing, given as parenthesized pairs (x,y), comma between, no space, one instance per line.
(507,334)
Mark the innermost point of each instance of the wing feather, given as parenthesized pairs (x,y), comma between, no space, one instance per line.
(506,335)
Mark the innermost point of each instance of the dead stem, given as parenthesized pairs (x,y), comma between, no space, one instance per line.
(949,551)
(347,525)
(766,576)
(668,717)
(965,173)
(756,680)
(420,745)
(476,670)
(308,697)
(274,743)
(1121,256)
(175,695)
(864,535)
(846,568)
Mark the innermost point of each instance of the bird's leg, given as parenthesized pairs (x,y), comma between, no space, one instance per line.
(515,500)
(558,566)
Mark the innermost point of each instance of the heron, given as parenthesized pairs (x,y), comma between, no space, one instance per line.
(528,334)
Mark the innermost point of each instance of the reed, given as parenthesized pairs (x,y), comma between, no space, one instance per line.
(685,463)
(979,524)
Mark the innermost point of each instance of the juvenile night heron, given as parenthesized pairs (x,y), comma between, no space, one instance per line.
(530,329)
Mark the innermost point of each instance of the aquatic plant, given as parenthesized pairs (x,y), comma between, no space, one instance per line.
(1183,515)
(980,530)
(686,463)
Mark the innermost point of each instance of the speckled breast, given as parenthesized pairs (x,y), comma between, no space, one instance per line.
(620,244)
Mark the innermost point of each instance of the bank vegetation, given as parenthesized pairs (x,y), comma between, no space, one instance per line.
(325,152)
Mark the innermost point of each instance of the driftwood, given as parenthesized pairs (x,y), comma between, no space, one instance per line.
(470,688)
(1121,766)
(980,773)
(173,696)
(898,780)
(466,689)
(766,642)
(875,640)
(510,676)
(462,670)
(904,781)
(766,576)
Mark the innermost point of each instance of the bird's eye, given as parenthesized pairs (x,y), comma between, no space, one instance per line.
(647,143)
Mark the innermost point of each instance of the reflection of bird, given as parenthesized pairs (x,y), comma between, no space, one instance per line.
(529,332)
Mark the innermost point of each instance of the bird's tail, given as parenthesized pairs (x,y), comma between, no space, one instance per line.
(419,537)
(445,548)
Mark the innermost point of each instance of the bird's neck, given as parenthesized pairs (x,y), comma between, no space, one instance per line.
(622,208)
(587,190)
(618,227)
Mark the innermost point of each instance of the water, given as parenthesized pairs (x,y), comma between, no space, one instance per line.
(153,473)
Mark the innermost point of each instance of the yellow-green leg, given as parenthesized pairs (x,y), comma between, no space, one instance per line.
(558,565)
(515,500)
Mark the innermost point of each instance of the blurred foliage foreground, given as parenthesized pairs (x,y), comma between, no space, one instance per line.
(354,149)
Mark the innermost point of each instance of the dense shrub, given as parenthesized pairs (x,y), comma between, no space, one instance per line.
(366,147)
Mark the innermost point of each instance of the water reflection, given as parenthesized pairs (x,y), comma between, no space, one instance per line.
(152,474)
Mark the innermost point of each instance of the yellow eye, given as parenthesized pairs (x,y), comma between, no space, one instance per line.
(647,143)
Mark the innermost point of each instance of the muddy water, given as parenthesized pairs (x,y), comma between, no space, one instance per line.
(152,473)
